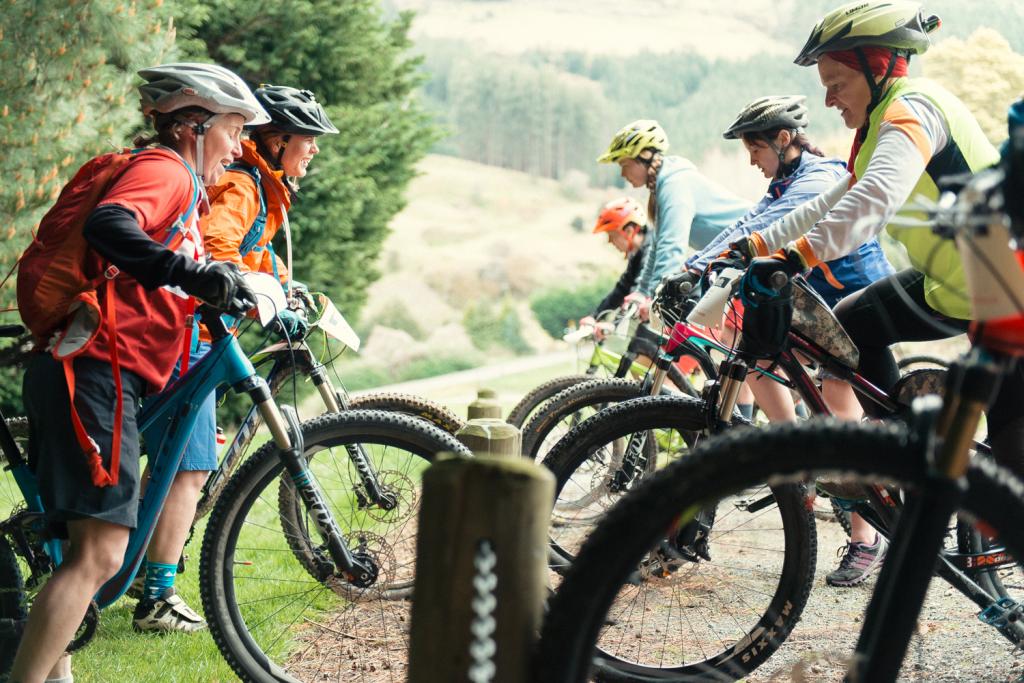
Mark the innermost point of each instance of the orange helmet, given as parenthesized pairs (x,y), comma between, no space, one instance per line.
(617,213)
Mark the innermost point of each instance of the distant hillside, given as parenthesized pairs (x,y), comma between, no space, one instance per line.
(738,29)
(480,238)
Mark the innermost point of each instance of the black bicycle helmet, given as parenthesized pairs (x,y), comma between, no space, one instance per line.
(294,111)
(769,113)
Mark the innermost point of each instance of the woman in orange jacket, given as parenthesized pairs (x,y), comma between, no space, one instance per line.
(248,205)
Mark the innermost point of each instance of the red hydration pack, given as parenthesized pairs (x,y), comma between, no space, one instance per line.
(58,286)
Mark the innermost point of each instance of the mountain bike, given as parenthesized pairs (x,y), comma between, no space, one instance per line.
(347,552)
(716,551)
(293,360)
(589,481)
(635,361)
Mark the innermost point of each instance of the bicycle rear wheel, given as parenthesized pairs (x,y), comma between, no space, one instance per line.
(12,606)
(585,612)
(539,395)
(270,617)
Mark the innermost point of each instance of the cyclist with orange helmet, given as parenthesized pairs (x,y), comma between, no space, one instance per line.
(684,207)
(624,222)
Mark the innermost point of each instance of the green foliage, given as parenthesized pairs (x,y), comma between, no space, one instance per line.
(357,62)
(555,307)
(549,112)
(67,94)
(495,326)
(984,72)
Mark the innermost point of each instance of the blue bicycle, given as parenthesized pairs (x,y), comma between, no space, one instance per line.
(314,535)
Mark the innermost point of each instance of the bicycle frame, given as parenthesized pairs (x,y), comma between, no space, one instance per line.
(172,416)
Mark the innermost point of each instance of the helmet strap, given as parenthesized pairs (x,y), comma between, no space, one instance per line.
(200,130)
(878,88)
(280,150)
(786,168)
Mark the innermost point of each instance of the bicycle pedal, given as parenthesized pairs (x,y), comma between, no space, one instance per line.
(1001,613)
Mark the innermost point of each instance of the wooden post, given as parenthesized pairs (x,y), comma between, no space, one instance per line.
(485,405)
(491,436)
(481,570)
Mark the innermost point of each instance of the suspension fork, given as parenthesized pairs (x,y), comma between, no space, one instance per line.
(337,401)
(634,461)
(899,594)
(283,424)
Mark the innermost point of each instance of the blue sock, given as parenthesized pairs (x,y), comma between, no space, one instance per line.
(159,577)
(746,410)
(801,410)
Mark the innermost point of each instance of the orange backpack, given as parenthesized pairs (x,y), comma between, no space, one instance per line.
(58,300)
(52,280)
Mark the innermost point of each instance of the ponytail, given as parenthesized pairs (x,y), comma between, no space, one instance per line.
(805,144)
(653,167)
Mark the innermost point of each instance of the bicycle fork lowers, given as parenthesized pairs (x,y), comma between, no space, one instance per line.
(283,424)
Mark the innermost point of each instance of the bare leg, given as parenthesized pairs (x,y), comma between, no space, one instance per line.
(176,518)
(96,553)
(844,404)
(775,399)
(841,400)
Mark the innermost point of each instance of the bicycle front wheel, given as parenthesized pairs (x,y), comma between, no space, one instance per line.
(598,604)
(272,619)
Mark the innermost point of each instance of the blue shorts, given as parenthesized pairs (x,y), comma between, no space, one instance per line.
(201,451)
(854,271)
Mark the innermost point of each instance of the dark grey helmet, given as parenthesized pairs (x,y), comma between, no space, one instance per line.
(294,111)
(769,113)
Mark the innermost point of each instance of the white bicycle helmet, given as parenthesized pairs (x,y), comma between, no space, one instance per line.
(170,87)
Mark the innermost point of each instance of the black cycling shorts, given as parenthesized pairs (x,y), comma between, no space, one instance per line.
(65,484)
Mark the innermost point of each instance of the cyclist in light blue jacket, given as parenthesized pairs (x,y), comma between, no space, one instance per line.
(684,208)
(771,128)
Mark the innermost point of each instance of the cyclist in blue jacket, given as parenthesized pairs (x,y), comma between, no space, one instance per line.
(772,130)
(684,207)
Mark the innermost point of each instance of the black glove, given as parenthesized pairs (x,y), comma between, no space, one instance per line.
(743,250)
(677,285)
(220,285)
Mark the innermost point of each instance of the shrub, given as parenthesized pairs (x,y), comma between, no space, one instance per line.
(494,325)
(555,307)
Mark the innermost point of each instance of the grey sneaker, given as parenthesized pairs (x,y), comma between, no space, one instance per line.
(859,561)
(167,613)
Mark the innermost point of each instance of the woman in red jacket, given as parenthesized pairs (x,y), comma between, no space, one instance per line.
(198,111)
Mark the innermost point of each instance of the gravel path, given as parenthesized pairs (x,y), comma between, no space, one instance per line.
(951,645)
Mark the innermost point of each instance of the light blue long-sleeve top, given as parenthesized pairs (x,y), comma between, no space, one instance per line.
(692,210)
(813,176)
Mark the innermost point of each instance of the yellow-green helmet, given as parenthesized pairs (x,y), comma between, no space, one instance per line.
(633,139)
(897,25)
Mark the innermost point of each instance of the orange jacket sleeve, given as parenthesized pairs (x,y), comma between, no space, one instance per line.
(234,205)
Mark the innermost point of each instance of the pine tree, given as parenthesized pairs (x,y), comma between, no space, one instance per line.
(67,77)
(67,82)
(358,63)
